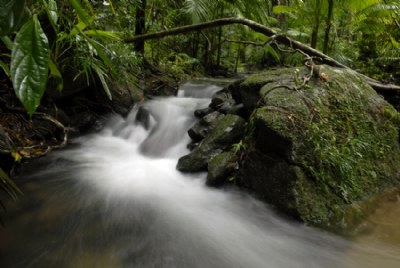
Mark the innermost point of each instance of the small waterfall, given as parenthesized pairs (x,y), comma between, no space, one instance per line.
(115,199)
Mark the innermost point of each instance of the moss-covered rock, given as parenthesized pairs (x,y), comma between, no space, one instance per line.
(228,130)
(318,149)
(200,130)
(220,168)
(321,146)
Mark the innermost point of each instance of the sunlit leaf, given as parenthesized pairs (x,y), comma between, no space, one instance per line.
(110,36)
(283,9)
(29,64)
(80,11)
(79,27)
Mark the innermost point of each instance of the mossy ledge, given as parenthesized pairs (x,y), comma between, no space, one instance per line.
(321,151)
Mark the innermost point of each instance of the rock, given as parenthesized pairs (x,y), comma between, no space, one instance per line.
(220,167)
(124,96)
(203,112)
(228,130)
(247,91)
(200,130)
(222,101)
(314,152)
(143,117)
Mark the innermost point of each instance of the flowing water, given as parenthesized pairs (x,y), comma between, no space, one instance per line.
(115,199)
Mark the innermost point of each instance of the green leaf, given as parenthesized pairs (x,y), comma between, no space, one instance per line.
(52,13)
(5,68)
(79,27)
(57,75)
(283,9)
(7,41)
(29,64)
(83,15)
(100,73)
(270,50)
(107,35)
(101,52)
(12,14)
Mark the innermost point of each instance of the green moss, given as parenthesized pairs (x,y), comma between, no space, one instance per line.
(341,135)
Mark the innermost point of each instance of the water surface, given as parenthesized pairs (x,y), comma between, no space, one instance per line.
(115,199)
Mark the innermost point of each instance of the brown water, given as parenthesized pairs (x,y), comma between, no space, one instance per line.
(380,231)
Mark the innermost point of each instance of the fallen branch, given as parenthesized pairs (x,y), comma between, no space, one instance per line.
(282,39)
(257,44)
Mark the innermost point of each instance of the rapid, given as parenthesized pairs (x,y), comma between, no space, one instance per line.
(115,199)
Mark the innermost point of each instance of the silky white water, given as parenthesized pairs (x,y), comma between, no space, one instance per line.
(115,199)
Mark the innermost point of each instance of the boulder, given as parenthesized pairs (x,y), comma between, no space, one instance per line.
(324,149)
(222,101)
(220,168)
(320,150)
(200,130)
(228,130)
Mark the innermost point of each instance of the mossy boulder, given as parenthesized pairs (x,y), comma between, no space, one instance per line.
(220,167)
(228,130)
(319,149)
(200,130)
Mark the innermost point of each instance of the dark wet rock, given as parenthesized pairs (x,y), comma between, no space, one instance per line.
(201,129)
(124,96)
(228,130)
(222,101)
(203,112)
(143,117)
(237,109)
(220,168)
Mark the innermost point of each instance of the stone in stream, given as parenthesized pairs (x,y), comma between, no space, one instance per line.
(200,130)
(222,101)
(323,151)
(228,130)
(220,167)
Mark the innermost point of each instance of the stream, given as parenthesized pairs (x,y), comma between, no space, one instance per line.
(115,199)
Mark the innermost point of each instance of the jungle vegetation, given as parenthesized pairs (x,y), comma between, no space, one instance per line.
(45,42)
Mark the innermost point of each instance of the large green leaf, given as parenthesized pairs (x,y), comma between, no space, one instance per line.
(29,64)
(11,15)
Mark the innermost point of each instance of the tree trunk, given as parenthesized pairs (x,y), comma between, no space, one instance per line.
(237,58)
(140,24)
(317,13)
(219,50)
(282,39)
(328,26)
